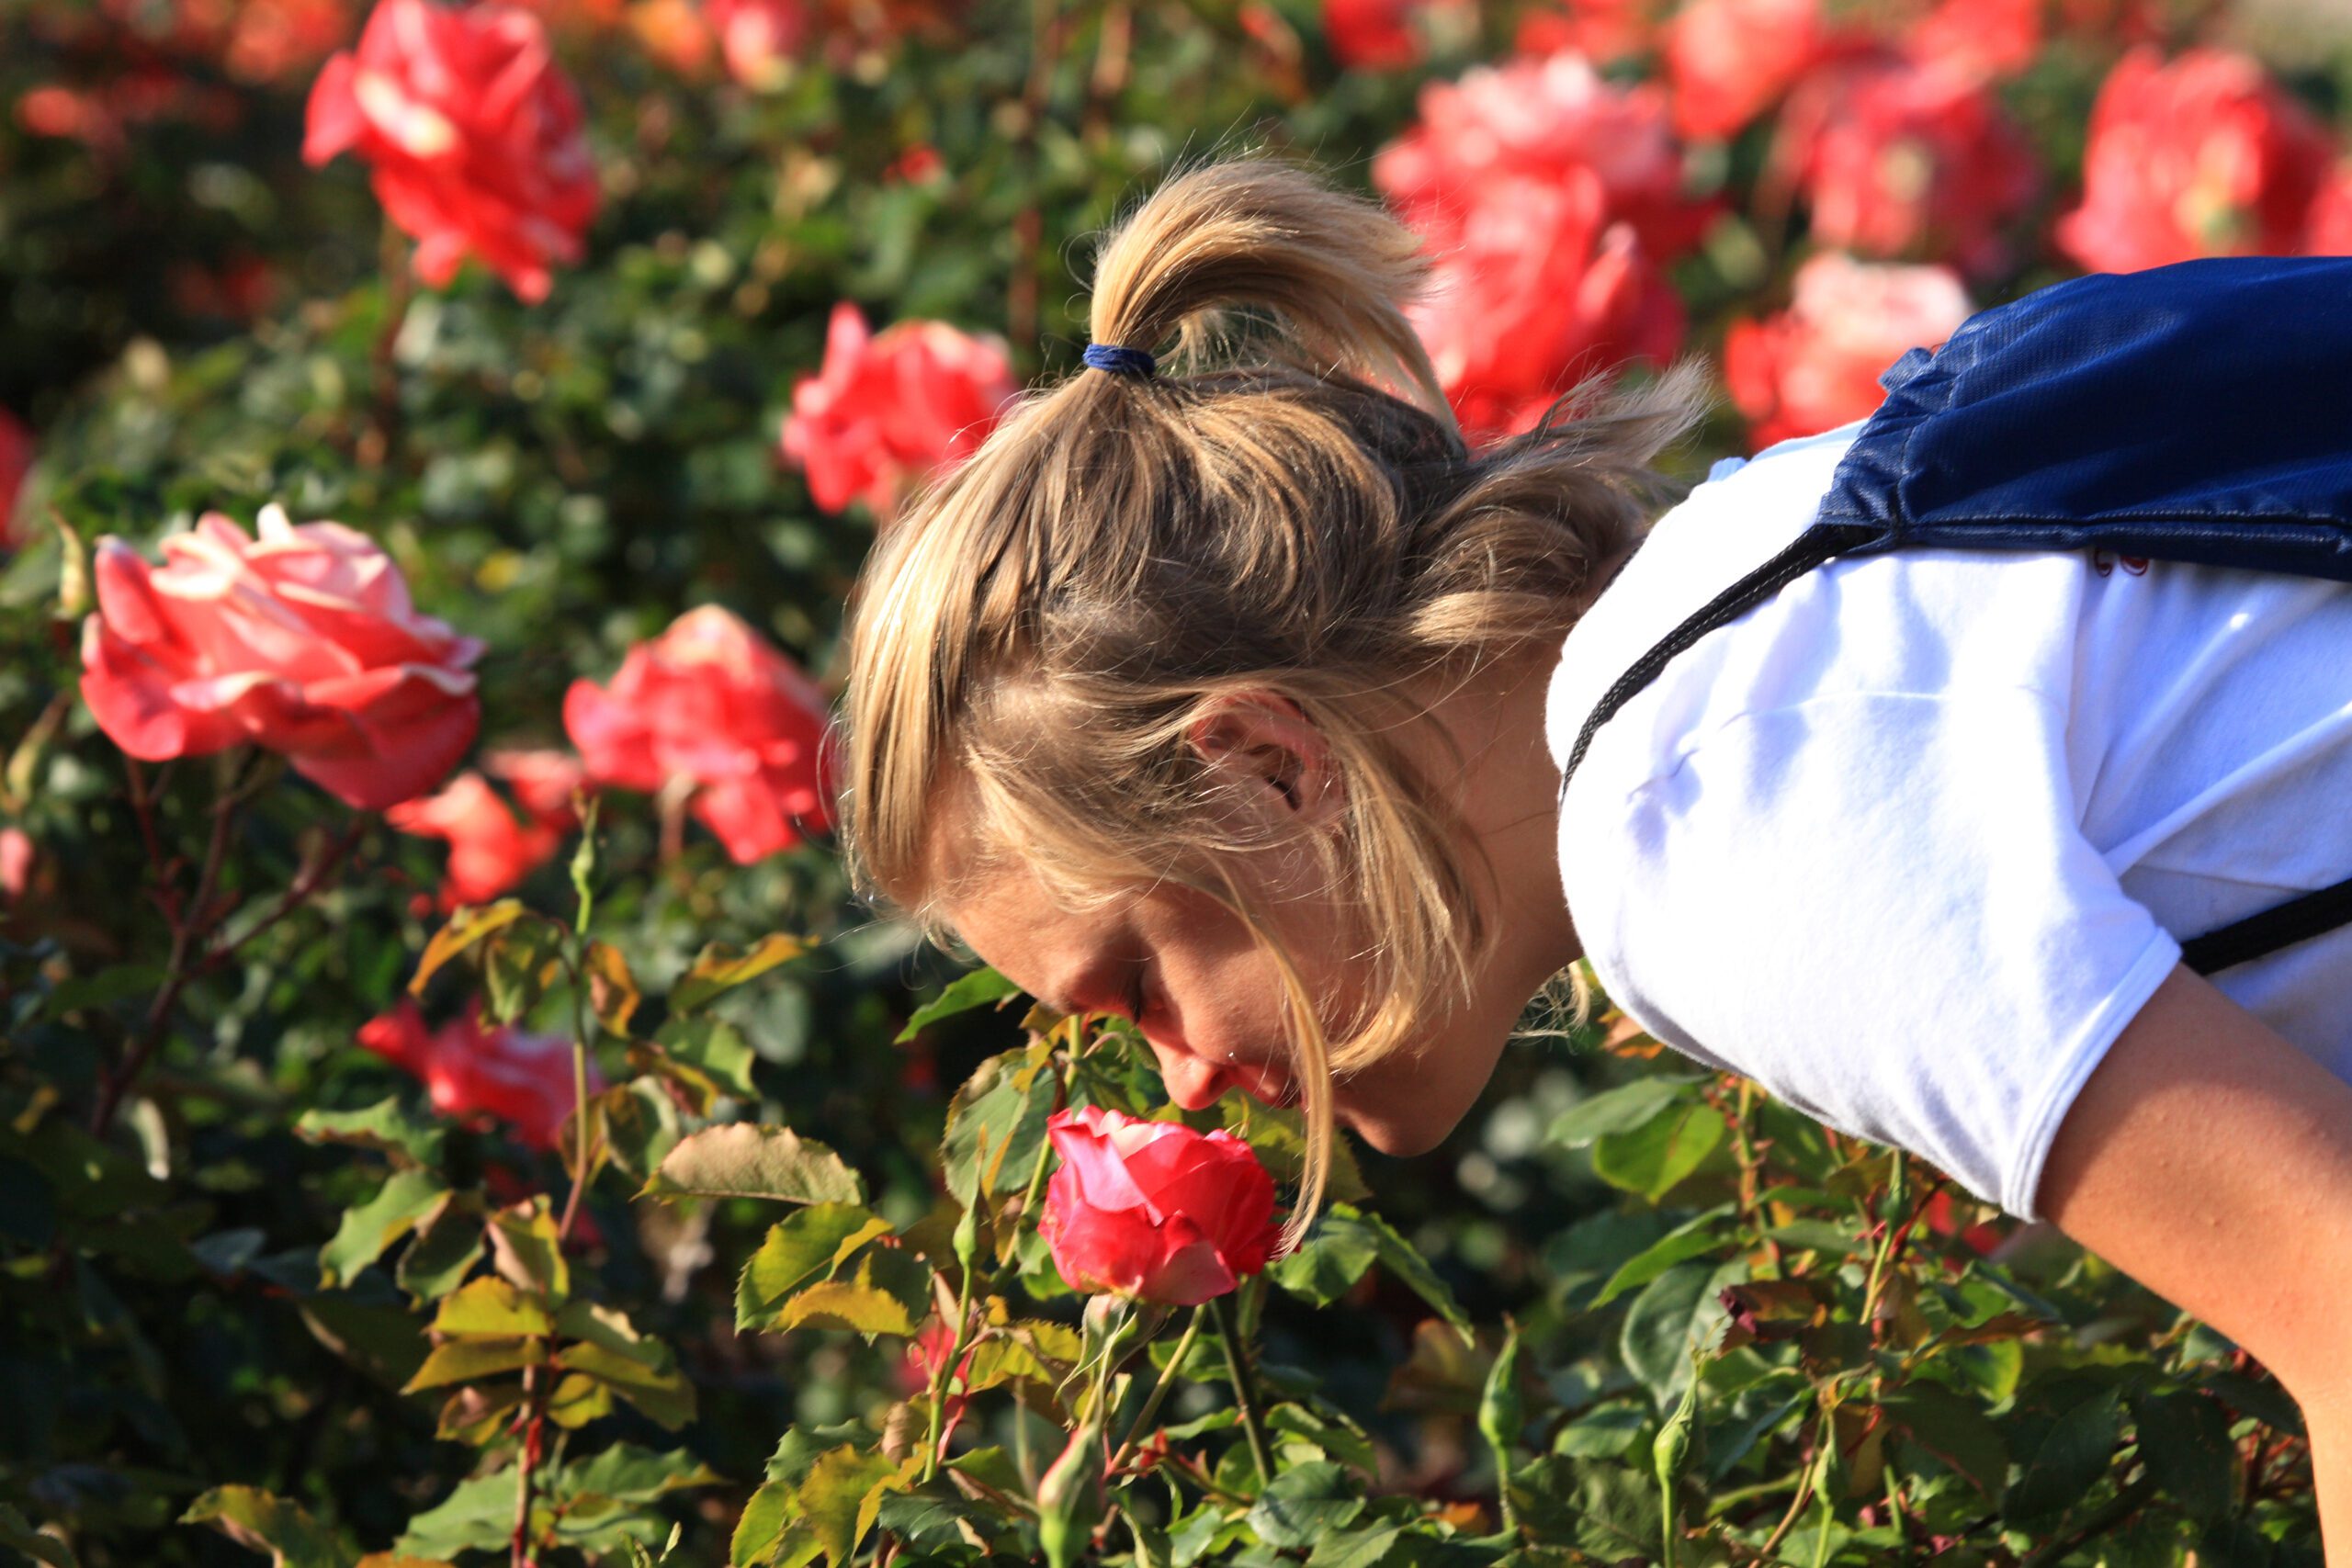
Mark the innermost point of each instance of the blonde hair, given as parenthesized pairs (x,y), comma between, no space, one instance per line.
(1288,507)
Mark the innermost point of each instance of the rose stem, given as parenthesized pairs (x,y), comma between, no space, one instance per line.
(1244,1393)
(1160,1390)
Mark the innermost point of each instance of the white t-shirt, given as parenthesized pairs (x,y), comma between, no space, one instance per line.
(1910,842)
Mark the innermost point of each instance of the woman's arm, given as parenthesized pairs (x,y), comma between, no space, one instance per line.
(2212,1160)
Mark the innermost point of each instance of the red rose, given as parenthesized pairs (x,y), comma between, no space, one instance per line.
(15,462)
(1730,59)
(1551,121)
(708,706)
(474,135)
(490,852)
(1385,35)
(15,860)
(1536,289)
(1904,158)
(1602,30)
(2206,156)
(1981,39)
(543,781)
(887,409)
(1815,365)
(2328,231)
(302,641)
(1153,1209)
(470,1069)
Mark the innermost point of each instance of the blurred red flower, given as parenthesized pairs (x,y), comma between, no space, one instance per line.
(473,134)
(888,409)
(1980,39)
(1901,158)
(1815,365)
(543,781)
(490,852)
(758,39)
(470,1069)
(2203,156)
(1153,1209)
(15,860)
(1602,30)
(709,706)
(1548,120)
(301,641)
(1535,289)
(1384,35)
(2328,231)
(16,448)
(1728,61)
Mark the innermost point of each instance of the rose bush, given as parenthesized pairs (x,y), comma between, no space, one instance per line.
(753,1267)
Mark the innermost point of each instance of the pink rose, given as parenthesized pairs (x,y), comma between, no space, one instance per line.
(2205,156)
(490,852)
(543,781)
(1384,35)
(888,409)
(302,641)
(470,1069)
(1547,120)
(1900,158)
(710,706)
(1535,289)
(2329,230)
(473,133)
(15,462)
(15,860)
(1153,1209)
(1729,60)
(1815,365)
(1981,38)
(1602,30)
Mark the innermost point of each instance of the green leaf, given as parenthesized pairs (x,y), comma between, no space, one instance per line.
(719,968)
(2072,1457)
(1675,1314)
(366,1231)
(471,1361)
(762,1524)
(1303,1504)
(491,1308)
(384,1126)
(714,1047)
(1619,1110)
(1602,1433)
(1653,1159)
(1334,1256)
(801,1248)
(612,990)
(746,1161)
(978,988)
(636,1367)
(18,1532)
(1355,1548)
(1693,1238)
(263,1522)
(448,1243)
(1402,1259)
(467,927)
(2184,1439)
(1279,1138)
(478,1515)
(999,1115)
(859,1305)
(517,967)
(833,1498)
(1955,1430)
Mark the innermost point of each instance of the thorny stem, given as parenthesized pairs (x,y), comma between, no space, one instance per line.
(1245,1393)
(1158,1391)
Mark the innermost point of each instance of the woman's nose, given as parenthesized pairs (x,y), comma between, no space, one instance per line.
(1192,1082)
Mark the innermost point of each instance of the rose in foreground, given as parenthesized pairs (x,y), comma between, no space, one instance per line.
(469,1067)
(302,641)
(709,706)
(473,133)
(1155,1210)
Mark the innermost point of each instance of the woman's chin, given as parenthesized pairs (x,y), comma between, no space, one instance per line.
(1393,1137)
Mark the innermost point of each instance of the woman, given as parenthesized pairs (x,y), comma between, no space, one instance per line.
(1236,703)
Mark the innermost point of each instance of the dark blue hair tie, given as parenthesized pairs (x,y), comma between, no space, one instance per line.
(1121,361)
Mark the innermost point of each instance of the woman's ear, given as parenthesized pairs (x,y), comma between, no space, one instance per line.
(1273,755)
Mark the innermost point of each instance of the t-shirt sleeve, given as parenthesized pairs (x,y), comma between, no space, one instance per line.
(1880,907)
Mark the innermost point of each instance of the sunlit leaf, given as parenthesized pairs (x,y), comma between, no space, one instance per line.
(746,1161)
(719,968)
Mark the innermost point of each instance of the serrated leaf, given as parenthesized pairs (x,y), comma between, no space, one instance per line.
(746,1161)
(719,968)
(2074,1455)
(1335,1254)
(800,1249)
(1674,1314)
(762,1524)
(841,1304)
(366,1230)
(384,1126)
(467,928)
(978,988)
(1955,1430)
(713,1047)
(637,1367)
(261,1521)
(517,967)
(1613,1110)
(833,1496)
(1694,1238)
(1402,1259)
(1653,1159)
(1303,1504)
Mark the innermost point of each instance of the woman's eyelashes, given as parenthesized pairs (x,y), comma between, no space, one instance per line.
(1136,1002)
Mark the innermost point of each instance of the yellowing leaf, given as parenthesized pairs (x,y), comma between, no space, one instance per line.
(747,1161)
(612,992)
(721,968)
(468,1361)
(489,1308)
(467,927)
